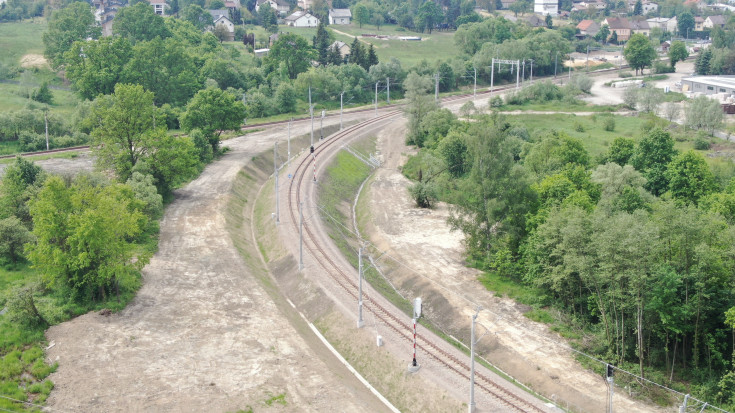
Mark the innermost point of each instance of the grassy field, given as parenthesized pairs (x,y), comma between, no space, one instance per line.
(19,39)
(12,98)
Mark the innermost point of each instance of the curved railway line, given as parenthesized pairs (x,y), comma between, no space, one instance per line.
(347,283)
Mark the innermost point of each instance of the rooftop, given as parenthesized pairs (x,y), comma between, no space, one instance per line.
(720,81)
(340,13)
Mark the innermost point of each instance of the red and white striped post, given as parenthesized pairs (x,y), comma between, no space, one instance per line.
(414,366)
(414,343)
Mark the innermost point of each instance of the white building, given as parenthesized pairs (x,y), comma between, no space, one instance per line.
(340,16)
(159,6)
(301,19)
(546,7)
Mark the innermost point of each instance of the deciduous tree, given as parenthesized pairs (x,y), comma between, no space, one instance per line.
(213,111)
(639,52)
(66,26)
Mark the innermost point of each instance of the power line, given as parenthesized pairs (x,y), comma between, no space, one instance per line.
(548,339)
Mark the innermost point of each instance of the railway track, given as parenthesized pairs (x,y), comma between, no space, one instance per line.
(347,283)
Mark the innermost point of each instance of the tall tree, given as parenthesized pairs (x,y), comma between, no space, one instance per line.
(124,121)
(703,63)
(84,234)
(419,104)
(213,111)
(638,8)
(639,52)
(197,16)
(17,186)
(690,178)
(685,24)
(13,236)
(293,52)
(371,58)
(652,157)
(96,66)
(66,26)
(164,67)
(139,23)
(321,43)
(677,52)
(429,15)
(361,13)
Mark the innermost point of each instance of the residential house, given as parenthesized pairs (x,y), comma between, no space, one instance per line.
(698,24)
(301,19)
(107,27)
(662,23)
(698,4)
(280,6)
(535,21)
(546,7)
(619,25)
(221,17)
(640,26)
(722,7)
(647,6)
(159,6)
(712,21)
(588,28)
(305,4)
(587,5)
(665,46)
(344,48)
(340,16)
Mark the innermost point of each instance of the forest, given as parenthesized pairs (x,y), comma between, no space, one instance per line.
(634,246)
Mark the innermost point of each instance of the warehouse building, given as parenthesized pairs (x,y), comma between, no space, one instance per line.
(709,85)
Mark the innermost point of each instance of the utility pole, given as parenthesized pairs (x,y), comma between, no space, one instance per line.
(289,140)
(683,407)
(340,109)
(275,173)
(321,127)
(556,63)
(45,121)
(474,90)
(518,73)
(523,78)
(472,362)
(611,387)
(360,322)
(587,63)
(531,71)
(387,81)
(376,98)
(301,236)
(492,75)
(311,113)
(436,87)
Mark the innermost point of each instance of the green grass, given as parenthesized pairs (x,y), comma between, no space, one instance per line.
(19,39)
(433,46)
(13,97)
(595,138)
(556,106)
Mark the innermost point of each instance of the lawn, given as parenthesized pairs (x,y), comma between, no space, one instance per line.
(12,99)
(19,39)
(432,47)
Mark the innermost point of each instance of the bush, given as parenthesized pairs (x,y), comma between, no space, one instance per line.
(43,94)
(582,82)
(538,92)
(578,126)
(496,102)
(609,124)
(424,194)
(662,67)
(701,143)
(626,75)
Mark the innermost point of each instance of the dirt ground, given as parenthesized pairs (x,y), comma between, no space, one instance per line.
(202,334)
(432,265)
(33,60)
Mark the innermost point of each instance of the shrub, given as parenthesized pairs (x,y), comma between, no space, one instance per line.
(43,94)
(609,124)
(496,102)
(424,194)
(626,75)
(578,126)
(701,144)
(582,82)
(662,67)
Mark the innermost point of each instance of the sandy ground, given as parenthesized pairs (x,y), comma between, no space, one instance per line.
(429,261)
(82,162)
(33,60)
(201,334)
(434,387)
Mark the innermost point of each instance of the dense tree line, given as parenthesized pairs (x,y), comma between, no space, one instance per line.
(636,245)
